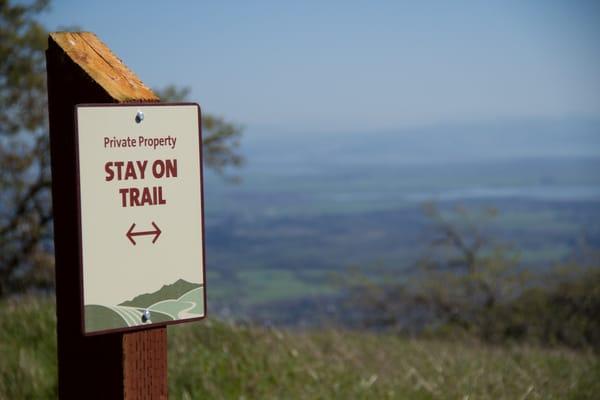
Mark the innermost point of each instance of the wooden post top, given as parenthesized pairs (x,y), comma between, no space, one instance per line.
(103,67)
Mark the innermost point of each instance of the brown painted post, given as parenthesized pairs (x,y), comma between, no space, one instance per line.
(81,69)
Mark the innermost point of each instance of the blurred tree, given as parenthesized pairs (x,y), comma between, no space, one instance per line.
(221,139)
(465,272)
(467,281)
(26,259)
(462,274)
(25,209)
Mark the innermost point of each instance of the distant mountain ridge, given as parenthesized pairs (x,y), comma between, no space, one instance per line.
(167,292)
(428,144)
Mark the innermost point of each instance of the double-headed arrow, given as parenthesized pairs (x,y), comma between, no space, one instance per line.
(130,233)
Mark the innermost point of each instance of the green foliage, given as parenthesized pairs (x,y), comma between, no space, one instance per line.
(221,139)
(563,313)
(25,208)
(22,73)
(462,274)
(464,270)
(214,360)
(566,314)
(489,296)
(470,285)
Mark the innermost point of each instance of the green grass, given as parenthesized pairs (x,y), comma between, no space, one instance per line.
(213,360)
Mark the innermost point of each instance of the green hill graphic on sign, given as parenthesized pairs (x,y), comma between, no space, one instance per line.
(179,300)
(167,292)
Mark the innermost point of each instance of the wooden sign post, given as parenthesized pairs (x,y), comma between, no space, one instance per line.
(133,365)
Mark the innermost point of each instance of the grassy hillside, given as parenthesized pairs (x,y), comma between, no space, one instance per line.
(213,360)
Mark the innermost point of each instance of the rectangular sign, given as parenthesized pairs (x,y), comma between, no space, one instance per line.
(141,215)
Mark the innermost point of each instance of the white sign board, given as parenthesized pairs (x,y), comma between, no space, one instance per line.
(141,209)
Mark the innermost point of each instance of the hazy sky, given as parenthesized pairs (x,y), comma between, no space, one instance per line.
(315,66)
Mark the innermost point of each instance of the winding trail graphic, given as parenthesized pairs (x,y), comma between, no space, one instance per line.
(173,307)
(185,314)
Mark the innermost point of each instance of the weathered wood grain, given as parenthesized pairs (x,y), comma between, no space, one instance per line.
(103,66)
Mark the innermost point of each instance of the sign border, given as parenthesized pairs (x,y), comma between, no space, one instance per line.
(79,227)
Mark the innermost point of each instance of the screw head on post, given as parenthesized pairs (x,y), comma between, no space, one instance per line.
(139,117)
